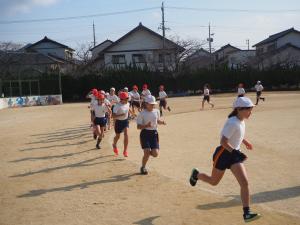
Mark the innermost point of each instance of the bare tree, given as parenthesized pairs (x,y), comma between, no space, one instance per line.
(83,53)
(10,46)
(186,47)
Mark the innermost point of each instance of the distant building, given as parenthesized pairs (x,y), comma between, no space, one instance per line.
(221,55)
(140,47)
(282,49)
(241,59)
(198,60)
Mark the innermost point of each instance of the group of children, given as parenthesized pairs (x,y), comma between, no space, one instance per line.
(109,109)
(226,156)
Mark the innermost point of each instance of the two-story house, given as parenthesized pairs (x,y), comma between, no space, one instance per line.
(140,47)
(282,48)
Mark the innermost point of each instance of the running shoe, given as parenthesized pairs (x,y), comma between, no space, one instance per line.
(194,177)
(125,153)
(169,109)
(250,216)
(116,151)
(144,171)
(98,146)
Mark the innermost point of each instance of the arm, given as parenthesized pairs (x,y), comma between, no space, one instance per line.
(161,122)
(141,127)
(225,144)
(248,145)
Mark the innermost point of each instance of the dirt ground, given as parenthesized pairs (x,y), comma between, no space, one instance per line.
(51,173)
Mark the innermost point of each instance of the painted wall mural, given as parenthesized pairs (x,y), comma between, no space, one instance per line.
(30,101)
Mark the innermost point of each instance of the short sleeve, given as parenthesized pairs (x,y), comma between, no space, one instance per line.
(116,109)
(140,120)
(229,129)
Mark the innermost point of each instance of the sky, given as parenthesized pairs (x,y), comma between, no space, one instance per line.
(265,18)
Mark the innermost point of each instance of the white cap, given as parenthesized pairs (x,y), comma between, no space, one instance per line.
(150,100)
(243,102)
(112,89)
(258,82)
(126,88)
(106,93)
(103,92)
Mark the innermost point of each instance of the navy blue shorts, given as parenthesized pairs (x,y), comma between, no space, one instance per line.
(163,103)
(120,125)
(206,98)
(101,121)
(136,104)
(224,159)
(258,93)
(149,139)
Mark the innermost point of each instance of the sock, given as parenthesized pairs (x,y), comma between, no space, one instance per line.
(246,210)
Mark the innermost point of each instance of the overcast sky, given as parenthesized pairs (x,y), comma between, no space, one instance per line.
(228,26)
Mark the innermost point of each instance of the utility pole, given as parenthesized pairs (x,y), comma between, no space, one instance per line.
(94,34)
(210,40)
(248,43)
(164,34)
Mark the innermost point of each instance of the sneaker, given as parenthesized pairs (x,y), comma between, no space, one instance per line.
(169,109)
(144,171)
(125,153)
(194,177)
(98,146)
(251,216)
(116,151)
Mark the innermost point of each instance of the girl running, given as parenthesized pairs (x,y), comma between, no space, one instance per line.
(206,96)
(113,99)
(100,120)
(135,99)
(147,122)
(120,114)
(92,95)
(146,92)
(229,156)
(259,88)
(241,90)
(162,100)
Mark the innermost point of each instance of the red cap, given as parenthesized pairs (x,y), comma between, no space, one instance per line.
(94,91)
(145,86)
(135,87)
(100,96)
(161,86)
(123,95)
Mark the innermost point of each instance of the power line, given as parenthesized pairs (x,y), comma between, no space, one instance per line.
(236,10)
(77,17)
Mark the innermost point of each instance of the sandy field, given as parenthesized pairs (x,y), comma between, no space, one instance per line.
(51,173)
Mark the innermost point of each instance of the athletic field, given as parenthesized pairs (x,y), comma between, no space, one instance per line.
(51,173)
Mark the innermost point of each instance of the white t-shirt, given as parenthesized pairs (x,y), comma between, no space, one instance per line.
(206,91)
(234,131)
(241,91)
(145,93)
(135,96)
(148,116)
(107,102)
(162,95)
(100,110)
(93,99)
(259,87)
(113,99)
(120,109)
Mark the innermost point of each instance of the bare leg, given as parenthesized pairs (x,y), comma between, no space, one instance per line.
(145,157)
(98,130)
(239,171)
(203,104)
(116,138)
(125,139)
(214,179)
(154,153)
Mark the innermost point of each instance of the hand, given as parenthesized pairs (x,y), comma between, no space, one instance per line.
(148,125)
(248,146)
(164,123)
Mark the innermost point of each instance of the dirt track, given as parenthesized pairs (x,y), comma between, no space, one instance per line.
(51,173)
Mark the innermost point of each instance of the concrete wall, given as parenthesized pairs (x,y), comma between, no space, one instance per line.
(30,101)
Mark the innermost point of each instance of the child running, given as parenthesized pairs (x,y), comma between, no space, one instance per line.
(229,156)
(162,99)
(100,109)
(113,99)
(147,122)
(241,90)
(146,92)
(259,88)
(135,99)
(92,95)
(121,114)
(206,96)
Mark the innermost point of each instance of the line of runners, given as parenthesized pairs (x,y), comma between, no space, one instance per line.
(109,109)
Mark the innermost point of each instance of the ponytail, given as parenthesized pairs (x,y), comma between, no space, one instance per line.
(233,113)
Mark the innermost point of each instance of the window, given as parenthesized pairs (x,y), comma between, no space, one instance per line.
(138,58)
(167,57)
(118,59)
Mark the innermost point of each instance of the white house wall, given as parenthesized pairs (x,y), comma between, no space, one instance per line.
(293,38)
(100,48)
(51,48)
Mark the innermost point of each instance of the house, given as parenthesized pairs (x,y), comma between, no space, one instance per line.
(221,54)
(140,47)
(282,48)
(241,59)
(199,59)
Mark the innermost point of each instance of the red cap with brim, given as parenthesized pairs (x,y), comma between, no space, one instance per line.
(123,95)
